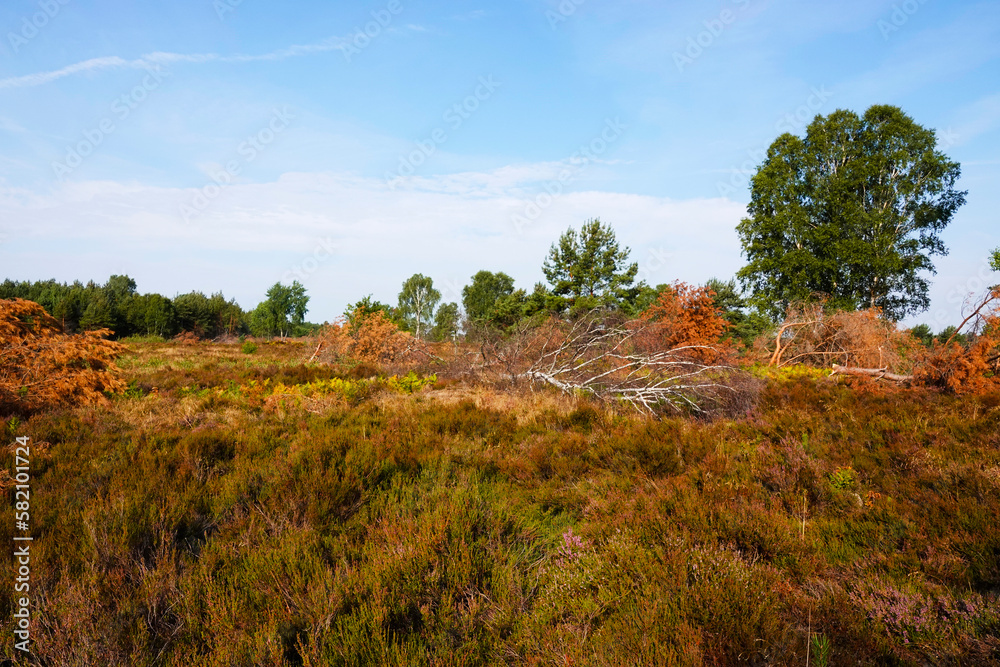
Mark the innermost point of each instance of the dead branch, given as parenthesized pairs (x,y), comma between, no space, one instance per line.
(991,296)
(878,373)
(776,357)
(598,357)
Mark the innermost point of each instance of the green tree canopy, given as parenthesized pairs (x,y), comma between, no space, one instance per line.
(852,211)
(744,324)
(446,322)
(209,317)
(416,303)
(589,269)
(282,312)
(480,298)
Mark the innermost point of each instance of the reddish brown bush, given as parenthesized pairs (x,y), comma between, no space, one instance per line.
(41,365)
(187,338)
(685,316)
(371,339)
(860,338)
(962,369)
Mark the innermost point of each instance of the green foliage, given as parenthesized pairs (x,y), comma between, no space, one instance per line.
(417,301)
(119,289)
(410,383)
(589,269)
(923,333)
(248,347)
(446,322)
(282,313)
(852,211)
(646,296)
(207,317)
(821,649)
(843,479)
(745,324)
(99,314)
(480,298)
(949,331)
(995,260)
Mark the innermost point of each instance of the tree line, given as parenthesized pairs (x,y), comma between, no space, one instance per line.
(849,215)
(118,306)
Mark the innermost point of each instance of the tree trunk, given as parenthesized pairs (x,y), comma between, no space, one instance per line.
(878,373)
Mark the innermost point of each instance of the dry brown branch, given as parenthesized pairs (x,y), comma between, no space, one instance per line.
(878,373)
(856,339)
(975,366)
(776,357)
(977,314)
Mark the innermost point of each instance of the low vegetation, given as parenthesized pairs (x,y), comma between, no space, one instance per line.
(255,509)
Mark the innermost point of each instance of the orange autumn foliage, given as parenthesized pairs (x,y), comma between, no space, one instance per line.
(41,365)
(687,316)
(960,369)
(973,367)
(371,339)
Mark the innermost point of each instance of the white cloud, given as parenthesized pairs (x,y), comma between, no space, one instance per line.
(254,234)
(150,60)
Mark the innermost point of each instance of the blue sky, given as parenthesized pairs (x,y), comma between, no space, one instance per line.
(227,145)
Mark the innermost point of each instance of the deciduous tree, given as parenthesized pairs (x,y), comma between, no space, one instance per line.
(283,311)
(481,296)
(446,322)
(416,303)
(853,211)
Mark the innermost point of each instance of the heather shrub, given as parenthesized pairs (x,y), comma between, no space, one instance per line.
(399,528)
(940,628)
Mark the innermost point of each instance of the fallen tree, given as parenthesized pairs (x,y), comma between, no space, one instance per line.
(611,359)
(877,373)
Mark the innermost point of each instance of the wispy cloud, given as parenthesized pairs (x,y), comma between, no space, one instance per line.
(462,222)
(165,58)
(977,118)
